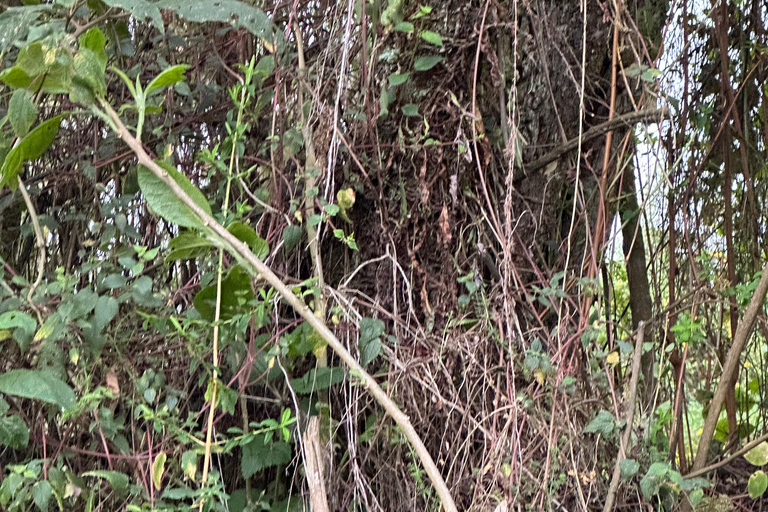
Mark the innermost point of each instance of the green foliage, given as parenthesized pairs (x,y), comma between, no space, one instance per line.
(37,385)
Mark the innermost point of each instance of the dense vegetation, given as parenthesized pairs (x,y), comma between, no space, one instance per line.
(383,255)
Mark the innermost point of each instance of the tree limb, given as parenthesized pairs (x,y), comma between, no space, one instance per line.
(242,252)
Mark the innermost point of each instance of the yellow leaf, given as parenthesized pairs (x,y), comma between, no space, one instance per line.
(158,467)
(4,334)
(612,358)
(539,376)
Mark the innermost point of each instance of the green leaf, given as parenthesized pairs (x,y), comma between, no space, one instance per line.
(187,246)
(30,148)
(758,456)
(15,23)
(158,467)
(604,423)
(35,64)
(114,281)
(757,485)
(431,37)
(105,311)
(14,432)
(370,339)
(37,385)
(404,26)
(291,237)
(258,455)
(318,378)
(41,494)
(629,468)
(411,110)
(396,79)
(118,481)
(166,78)
(236,292)
(141,10)
(95,41)
(89,78)
(696,496)
(231,12)
(164,202)
(427,62)
(189,464)
(22,111)
(24,327)
(245,233)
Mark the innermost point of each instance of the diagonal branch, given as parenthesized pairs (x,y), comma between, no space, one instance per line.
(242,252)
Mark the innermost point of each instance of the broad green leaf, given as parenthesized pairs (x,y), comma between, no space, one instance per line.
(370,339)
(404,26)
(30,148)
(258,455)
(604,423)
(14,432)
(167,77)
(245,233)
(37,385)
(189,464)
(757,485)
(53,67)
(291,237)
(158,468)
(22,111)
(187,246)
(15,23)
(236,292)
(431,37)
(141,10)
(89,74)
(318,378)
(758,456)
(118,481)
(114,281)
(95,41)
(396,79)
(105,311)
(427,62)
(23,325)
(41,494)
(231,12)
(629,468)
(164,202)
(411,110)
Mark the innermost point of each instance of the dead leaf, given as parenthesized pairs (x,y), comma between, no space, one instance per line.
(112,383)
(445,225)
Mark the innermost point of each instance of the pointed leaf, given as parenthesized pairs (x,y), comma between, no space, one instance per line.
(245,233)
(37,385)
(118,481)
(22,111)
(14,432)
(164,202)
(427,62)
(187,246)
(41,494)
(158,468)
(30,148)
(167,77)
(431,37)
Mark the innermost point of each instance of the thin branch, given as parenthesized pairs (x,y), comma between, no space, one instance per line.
(241,251)
(729,368)
(629,417)
(630,119)
(40,244)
